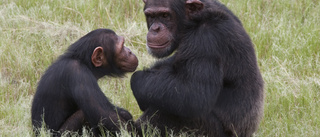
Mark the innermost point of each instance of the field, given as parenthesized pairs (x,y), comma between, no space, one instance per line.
(286,34)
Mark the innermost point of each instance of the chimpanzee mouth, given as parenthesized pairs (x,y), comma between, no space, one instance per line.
(158,46)
(129,69)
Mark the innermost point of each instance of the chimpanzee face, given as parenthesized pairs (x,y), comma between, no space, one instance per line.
(162,27)
(124,58)
(112,50)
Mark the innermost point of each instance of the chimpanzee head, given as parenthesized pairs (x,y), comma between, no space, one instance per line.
(162,23)
(104,53)
(165,19)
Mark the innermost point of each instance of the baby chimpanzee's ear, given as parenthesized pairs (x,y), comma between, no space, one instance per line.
(98,57)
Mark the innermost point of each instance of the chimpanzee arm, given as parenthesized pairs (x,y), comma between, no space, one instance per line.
(94,104)
(187,90)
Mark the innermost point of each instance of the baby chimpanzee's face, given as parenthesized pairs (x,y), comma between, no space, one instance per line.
(124,58)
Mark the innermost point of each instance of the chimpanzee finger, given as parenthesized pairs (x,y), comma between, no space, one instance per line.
(123,113)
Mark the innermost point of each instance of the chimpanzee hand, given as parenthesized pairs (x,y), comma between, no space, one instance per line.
(117,119)
(123,114)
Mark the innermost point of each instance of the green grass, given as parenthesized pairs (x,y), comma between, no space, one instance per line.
(286,34)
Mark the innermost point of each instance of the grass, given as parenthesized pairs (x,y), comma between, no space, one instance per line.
(286,34)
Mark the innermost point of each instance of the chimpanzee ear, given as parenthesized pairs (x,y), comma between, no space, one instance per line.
(193,6)
(98,58)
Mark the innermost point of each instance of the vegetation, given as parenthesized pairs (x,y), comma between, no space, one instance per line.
(286,35)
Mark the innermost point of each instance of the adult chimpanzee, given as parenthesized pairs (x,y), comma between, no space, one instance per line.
(212,84)
(68,95)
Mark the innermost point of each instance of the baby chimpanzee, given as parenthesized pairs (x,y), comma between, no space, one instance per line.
(68,96)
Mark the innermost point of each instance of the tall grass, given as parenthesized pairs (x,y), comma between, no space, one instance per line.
(286,34)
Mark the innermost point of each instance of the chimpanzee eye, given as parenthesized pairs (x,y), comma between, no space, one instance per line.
(152,16)
(165,15)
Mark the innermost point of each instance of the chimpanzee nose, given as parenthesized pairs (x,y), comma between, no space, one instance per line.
(128,50)
(155,27)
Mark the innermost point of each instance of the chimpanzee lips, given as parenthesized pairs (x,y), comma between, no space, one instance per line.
(158,46)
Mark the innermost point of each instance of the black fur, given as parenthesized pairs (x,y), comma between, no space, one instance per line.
(211,85)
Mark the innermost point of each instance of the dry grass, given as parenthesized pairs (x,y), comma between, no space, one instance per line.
(286,34)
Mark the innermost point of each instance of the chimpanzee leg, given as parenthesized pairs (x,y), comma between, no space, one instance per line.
(74,123)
